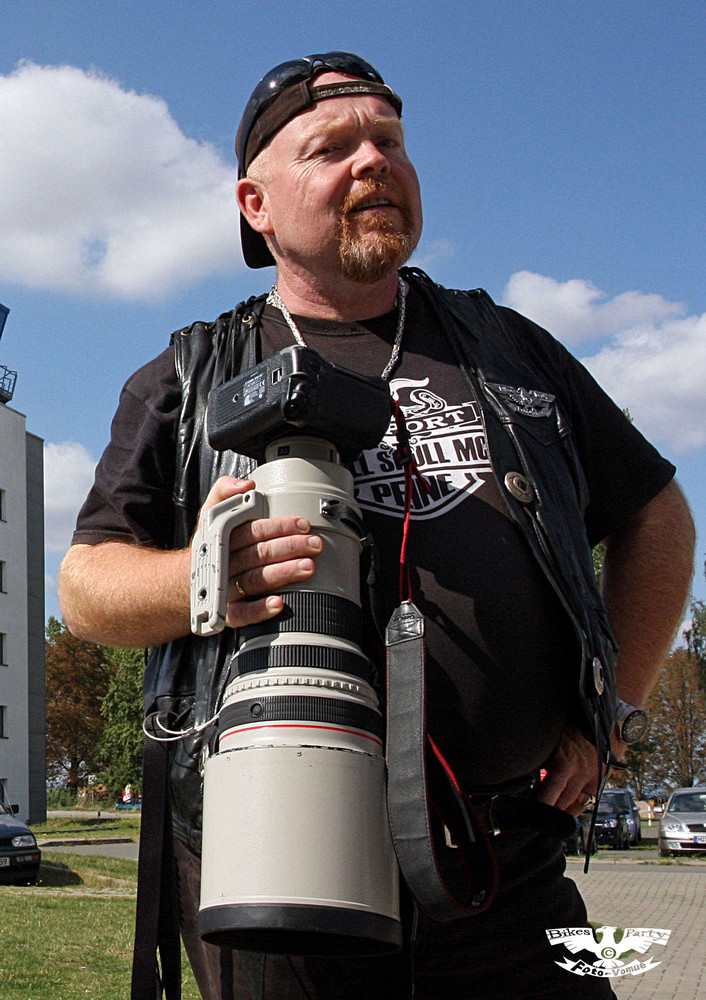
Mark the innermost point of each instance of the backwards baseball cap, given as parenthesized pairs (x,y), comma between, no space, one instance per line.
(280,96)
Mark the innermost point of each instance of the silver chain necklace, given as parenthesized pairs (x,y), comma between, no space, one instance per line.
(275,299)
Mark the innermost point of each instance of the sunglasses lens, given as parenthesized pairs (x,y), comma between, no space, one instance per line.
(289,73)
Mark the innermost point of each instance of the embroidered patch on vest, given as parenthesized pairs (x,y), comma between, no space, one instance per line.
(528,402)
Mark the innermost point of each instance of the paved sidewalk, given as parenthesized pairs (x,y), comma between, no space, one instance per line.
(632,893)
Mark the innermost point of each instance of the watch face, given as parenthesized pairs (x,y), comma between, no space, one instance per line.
(635,726)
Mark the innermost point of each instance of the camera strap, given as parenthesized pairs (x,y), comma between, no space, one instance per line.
(442,847)
(424,798)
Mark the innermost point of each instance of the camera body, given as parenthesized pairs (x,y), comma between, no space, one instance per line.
(297,392)
(297,856)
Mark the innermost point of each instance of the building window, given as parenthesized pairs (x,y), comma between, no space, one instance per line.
(2,505)
(3,589)
(3,722)
(3,637)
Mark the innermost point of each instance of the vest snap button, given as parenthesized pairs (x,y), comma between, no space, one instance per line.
(598,675)
(519,486)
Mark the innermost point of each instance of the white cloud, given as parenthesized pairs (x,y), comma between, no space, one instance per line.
(653,360)
(429,253)
(102,192)
(68,476)
(575,310)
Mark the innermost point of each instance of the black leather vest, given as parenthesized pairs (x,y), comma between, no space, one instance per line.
(534,460)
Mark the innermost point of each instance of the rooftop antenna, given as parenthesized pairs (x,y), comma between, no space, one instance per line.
(7,378)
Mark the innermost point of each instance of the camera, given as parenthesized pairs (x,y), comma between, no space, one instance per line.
(297,856)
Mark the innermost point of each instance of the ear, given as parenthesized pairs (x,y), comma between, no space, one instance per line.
(254,204)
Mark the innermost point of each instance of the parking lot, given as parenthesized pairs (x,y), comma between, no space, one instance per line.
(636,888)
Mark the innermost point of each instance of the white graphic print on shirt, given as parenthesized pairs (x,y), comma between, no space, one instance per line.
(448,442)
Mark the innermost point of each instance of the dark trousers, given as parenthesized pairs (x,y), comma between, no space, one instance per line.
(502,954)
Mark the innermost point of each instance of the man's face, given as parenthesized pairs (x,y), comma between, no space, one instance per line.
(340,194)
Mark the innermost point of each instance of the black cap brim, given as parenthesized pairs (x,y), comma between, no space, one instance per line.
(256,253)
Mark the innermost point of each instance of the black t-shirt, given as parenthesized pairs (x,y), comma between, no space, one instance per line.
(499,645)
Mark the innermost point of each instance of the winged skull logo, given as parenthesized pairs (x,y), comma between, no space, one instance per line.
(611,948)
(529,402)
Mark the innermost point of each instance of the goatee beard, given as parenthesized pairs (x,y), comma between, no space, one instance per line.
(372,249)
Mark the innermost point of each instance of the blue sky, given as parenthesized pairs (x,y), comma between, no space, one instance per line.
(560,148)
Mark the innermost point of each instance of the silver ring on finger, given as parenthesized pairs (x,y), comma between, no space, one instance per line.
(241,595)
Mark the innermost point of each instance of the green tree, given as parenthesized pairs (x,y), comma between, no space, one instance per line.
(77,681)
(695,637)
(678,730)
(120,746)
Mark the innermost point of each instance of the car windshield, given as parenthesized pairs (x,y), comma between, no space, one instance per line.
(606,808)
(688,803)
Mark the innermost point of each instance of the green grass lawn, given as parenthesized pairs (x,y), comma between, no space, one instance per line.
(71,935)
(90,825)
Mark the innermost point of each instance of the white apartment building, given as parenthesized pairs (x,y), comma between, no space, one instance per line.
(22,664)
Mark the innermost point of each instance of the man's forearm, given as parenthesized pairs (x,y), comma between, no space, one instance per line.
(118,594)
(646,579)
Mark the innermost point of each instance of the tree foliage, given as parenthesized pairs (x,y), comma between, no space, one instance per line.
(120,747)
(77,681)
(94,712)
(695,637)
(678,730)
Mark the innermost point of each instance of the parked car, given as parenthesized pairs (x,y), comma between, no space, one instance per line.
(576,844)
(682,828)
(612,825)
(19,854)
(623,798)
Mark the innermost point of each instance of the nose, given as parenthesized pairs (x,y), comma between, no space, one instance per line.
(370,161)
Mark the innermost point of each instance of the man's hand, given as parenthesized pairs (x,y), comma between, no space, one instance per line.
(572,776)
(122,594)
(265,555)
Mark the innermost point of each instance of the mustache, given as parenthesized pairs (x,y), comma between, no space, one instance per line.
(368,186)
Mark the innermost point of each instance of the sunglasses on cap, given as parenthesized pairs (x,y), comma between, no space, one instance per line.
(281,95)
(277,85)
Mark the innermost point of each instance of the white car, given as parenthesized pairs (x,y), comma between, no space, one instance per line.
(682,828)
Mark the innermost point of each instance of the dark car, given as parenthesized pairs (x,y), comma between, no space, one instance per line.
(625,801)
(612,825)
(19,854)
(576,844)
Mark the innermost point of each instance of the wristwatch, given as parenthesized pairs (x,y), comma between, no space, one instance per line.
(631,723)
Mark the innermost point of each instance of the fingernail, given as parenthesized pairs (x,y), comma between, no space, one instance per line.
(305,566)
(314,542)
(274,604)
(303,524)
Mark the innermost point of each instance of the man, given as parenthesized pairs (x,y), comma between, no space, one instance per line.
(529,465)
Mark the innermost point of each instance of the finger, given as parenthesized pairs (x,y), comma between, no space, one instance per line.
(275,550)
(263,530)
(225,487)
(242,613)
(269,578)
